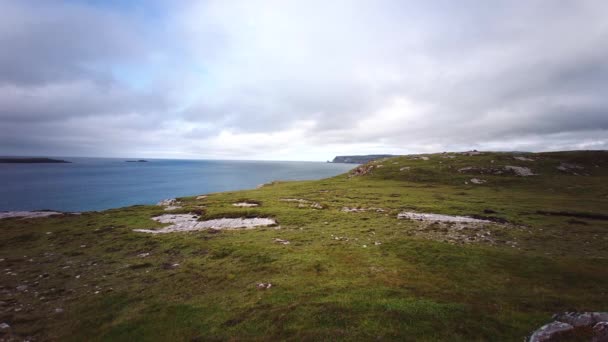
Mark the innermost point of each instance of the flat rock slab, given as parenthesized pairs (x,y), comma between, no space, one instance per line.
(245,204)
(439,218)
(188,222)
(27,214)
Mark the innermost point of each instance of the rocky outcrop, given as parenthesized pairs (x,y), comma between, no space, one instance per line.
(571,324)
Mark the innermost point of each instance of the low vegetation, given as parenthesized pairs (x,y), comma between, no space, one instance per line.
(340,265)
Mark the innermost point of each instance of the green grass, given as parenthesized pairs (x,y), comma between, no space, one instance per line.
(411,286)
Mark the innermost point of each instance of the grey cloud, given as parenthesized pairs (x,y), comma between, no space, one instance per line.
(472,74)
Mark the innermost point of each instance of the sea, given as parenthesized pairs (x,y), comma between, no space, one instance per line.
(91,184)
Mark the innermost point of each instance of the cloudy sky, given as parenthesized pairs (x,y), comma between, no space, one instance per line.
(300,80)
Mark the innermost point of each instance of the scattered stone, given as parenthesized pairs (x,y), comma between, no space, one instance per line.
(360,210)
(520,170)
(170,204)
(188,222)
(201,197)
(353,210)
(316,206)
(58,310)
(405,168)
(551,331)
(4,326)
(245,204)
(570,168)
(143,255)
(264,286)
(281,241)
(578,319)
(478,181)
(302,203)
(28,214)
(22,288)
(377,243)
(568,323)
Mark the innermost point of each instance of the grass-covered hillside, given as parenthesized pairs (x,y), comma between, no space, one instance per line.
(352,270)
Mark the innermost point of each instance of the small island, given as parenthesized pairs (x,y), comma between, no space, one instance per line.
(22,160)
(137,161)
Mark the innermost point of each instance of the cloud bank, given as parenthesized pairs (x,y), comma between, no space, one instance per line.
(301,79)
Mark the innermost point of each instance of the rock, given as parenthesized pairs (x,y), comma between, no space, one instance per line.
(361,170)
(581,319)
(201,197)
(143,255)
(316,206)
(58,310)
(245,204)
(523,159)
(188,222)
(551,331)
(478,181)
(405,168)
(569,168)
(27,214)
(600,332)
(281,241)
(21,288)
(264,286)
(520,170)
(438,217)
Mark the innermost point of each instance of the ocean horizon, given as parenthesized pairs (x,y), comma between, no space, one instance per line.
(91,184)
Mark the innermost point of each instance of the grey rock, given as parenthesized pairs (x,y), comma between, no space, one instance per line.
(550,331)
(600,332)
(581,319)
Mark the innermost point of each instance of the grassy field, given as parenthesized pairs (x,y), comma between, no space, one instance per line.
(344,276)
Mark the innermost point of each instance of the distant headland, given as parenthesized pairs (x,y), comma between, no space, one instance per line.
(137,161)
(360,159)
(24,160)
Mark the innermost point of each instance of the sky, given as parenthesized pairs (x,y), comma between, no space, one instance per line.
(301,80)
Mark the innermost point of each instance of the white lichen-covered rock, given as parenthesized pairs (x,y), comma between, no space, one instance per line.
(478,181)
(245,204)
(189,222)
(438,217)
(551,331)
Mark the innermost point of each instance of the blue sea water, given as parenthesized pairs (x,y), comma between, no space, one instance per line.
(102,183)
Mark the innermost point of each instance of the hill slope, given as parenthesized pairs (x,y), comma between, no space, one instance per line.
(351,269)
